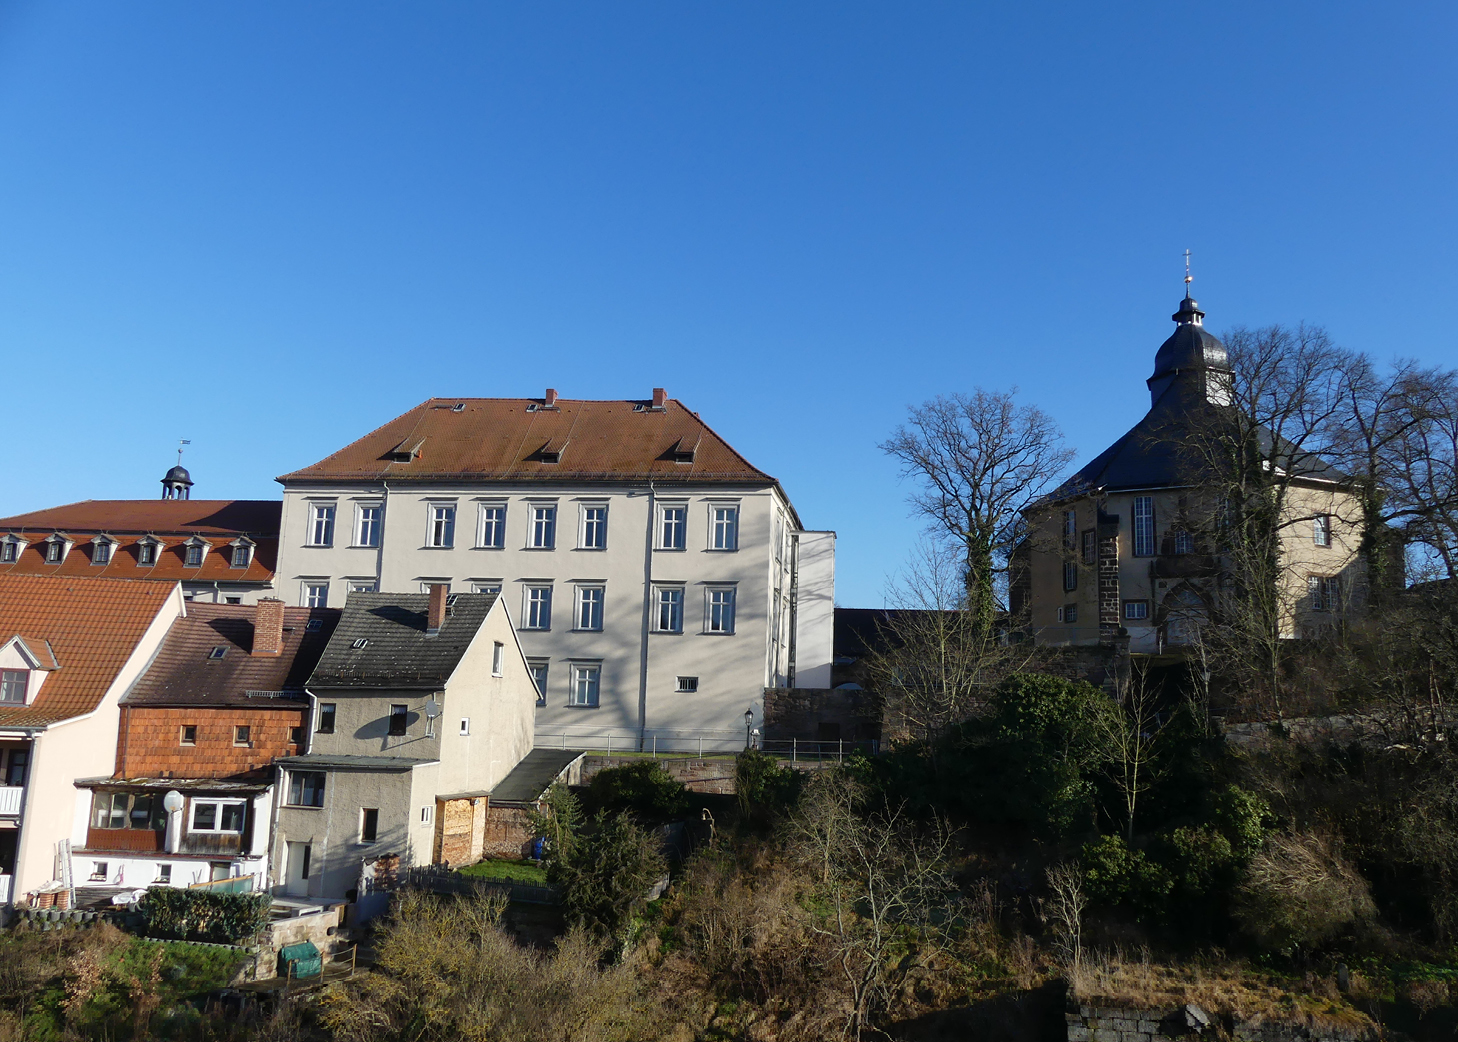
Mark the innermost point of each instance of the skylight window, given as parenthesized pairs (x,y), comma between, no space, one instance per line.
(362,642)
(218,651)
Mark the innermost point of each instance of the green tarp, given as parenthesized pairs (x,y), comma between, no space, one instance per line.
(300,960)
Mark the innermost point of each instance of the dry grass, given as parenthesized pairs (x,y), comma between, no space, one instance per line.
(1133,981)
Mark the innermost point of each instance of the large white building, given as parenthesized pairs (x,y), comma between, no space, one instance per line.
(658,581)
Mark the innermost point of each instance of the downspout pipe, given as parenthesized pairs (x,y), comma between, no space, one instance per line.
(647,616)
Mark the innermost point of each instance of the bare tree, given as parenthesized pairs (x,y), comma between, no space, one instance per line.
(1129,732)
(1065,906)
(980,459)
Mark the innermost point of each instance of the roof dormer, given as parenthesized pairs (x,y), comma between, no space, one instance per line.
(195,551)
(103,547)
(11,547)
(240,552)
(149,549)
(54,548)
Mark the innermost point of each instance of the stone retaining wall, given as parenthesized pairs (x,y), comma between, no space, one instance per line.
(715,776)
(1118,1024)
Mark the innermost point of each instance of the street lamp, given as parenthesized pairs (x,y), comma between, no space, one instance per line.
(748,725)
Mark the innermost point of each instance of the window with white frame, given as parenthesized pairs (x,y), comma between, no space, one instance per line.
(321,524)
(725,535)
(1090,547)
(316,594)
(241,555)
(426,584)
(217,816)
(442,533)
(1325,592)
(13,684)
(589,607)
(1136,611)
(427,814)
(146,553)
(465,731)
(585,680)
(369,519)
(9,551)
(672,526)
(55,551)
(720,610)
(668,609)
(193,556)
(498,658)
(364,586)
(164,875)
(1143,526)
(687,685)
(544,527)
(594,528)
(1070,576)
(306,788)
(1070,528)
(1321,530)
(537,608)
(101,552)
(1184,541)
(539,667)
(486,586)
(493,526)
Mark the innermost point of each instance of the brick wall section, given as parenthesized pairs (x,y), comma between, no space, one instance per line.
(1117,1024)
(460,828)
(1108,576)
(149,745)
(820,714)
(508,832)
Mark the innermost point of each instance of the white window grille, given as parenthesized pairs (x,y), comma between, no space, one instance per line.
(1143,526)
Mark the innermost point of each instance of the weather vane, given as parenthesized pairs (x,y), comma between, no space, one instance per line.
(1188,277)
(188,441)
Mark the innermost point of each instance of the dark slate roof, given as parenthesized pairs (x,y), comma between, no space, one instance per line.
(184,674)
(361,763)
(863,631)
(534,775)
(397,653)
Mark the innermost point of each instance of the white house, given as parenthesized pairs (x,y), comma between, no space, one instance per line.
(658,581)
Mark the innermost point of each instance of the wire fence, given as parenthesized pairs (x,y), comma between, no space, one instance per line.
(681,745)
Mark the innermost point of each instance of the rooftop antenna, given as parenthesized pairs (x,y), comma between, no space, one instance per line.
(1188,277)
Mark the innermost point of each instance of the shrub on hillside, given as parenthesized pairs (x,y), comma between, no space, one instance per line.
(204,915)
(764,787)
(1300,892)
(642,788)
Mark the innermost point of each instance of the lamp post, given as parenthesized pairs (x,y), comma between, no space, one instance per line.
(748,726)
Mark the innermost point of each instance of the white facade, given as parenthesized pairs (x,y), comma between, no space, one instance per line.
(658,614)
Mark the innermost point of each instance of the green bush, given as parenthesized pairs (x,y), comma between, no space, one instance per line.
(762,785)
(204,915)
(643,789)
(1116,876)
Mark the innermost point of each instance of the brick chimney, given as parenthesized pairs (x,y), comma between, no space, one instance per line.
(551,400)
(436,616)
(660,397)
(268,620)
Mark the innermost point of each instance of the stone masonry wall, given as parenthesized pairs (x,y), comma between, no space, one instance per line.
(820,714)
(699,775)
(1116,1024)
(508,833)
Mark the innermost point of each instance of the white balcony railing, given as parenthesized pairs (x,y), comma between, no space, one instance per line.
(11,797)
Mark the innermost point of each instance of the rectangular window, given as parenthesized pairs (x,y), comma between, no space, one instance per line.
(217,816)
(1184,542)
(321,524)
(364,586)
(1070,528)
(584,685)
(1143,526)
(589,607)
(15,766)
(427,814)
(721,611)
(54,551)
(146,554)
(1314,588)
(101,554)
(242,735)
(491,586)
(232,600)
(98,871)
(1068,613)
(726,528)
(443,525)
(240,557)
(296,736)
(672,524)
(1321,530)
(193,556)
(7,553)
(1332,592)
(538,613)
(164,875)
(109,810)
(1136,611)
(1090,547)
(668,613)
(538,666)
(687,684)
(369,824)
(1070,576)
(367,525)
(326,717)
(306,788)
(498,658)
(493,526)
(13,683)
(316,595)
(594,528)
(544,528)
(187,735)
(399,718)
(465,731)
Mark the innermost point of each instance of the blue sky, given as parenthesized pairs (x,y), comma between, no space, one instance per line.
(269,227)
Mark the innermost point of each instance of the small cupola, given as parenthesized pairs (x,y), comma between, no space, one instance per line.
(178,482)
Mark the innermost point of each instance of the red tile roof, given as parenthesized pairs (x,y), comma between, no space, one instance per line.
(93,625)
(218,521)
(184,675)
(511,438)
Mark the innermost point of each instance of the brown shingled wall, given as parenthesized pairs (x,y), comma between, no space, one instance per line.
(149,744)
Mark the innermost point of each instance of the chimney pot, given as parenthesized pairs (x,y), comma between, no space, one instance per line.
(268,620)
(436,617)
(659,398)
(551,397)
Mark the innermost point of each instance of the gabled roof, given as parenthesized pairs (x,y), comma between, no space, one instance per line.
(232,517)
(92,625)
(524,439)
(396,652)
(183,674)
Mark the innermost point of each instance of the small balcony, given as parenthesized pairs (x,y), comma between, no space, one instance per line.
(11,799)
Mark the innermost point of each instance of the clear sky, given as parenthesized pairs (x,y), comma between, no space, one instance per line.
(270,227)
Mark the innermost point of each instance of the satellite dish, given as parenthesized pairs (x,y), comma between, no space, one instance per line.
(432,709)
(172,802)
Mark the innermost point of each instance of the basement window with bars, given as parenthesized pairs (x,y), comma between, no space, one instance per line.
(688,684)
